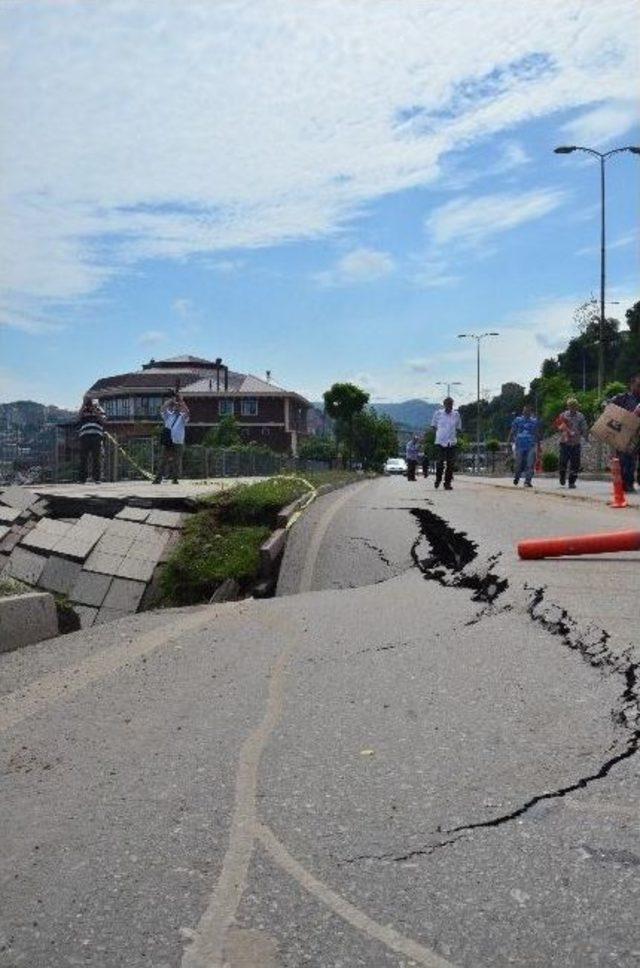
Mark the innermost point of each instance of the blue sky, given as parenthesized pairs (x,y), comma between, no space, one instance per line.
(327,190)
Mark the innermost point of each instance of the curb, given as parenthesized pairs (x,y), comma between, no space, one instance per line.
(26,619)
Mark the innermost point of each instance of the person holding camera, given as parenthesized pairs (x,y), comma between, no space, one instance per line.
(175,417)
(90,433)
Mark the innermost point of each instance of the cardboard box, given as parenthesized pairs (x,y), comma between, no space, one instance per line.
(618,427)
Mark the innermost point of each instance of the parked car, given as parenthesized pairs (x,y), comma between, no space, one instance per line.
(395,465)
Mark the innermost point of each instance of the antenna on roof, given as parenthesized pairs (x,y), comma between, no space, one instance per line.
(268,376)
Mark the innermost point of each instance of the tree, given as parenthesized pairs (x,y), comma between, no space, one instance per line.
(342,402)
(374,439)
(493,446)
(318,448)
(225,434)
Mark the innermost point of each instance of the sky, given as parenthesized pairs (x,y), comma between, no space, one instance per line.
(327,189)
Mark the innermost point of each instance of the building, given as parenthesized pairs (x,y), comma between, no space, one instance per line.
(265,413)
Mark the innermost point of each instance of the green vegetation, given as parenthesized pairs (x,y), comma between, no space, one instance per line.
(374,439)
(550,462)
(342,402)
(259,503)
(225,434)
(318,448)
(11,586)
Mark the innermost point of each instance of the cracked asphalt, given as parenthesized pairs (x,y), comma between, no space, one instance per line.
(422,752)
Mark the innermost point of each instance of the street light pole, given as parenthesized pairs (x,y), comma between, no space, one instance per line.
(478,337)
(448,384)
(602,157)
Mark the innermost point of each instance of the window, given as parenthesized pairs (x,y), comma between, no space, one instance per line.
(249,407)
(225,407)
(147,408)
(117,408)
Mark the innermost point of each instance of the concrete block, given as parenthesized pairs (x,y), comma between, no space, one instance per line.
(110,615)
(228,591)
(94,522)
(90,588)
(18,497)
(4,531)
(124,595)
(86,614)
(40,508)
(76,546)
(133,514)
(114,544)
(59,574)
(173,537)
(12,538)
(25,619)
(140,569)
(8,515)
(124,529)
(271,550)
(103,563)
(285,515)
(25,565)
(167,519)
(46,535)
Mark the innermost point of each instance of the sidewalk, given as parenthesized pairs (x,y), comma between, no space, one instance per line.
(598,491)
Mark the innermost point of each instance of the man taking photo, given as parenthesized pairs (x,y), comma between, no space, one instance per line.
(175,417)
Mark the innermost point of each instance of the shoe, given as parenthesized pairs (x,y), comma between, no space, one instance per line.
(562,482)
(516,481)
(436,484)
(572,485)
(175,481)
(157,480)
(528,484)
(448,487)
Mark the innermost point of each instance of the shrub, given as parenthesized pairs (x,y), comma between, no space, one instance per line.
(550,461)
(318,448)
(252,504)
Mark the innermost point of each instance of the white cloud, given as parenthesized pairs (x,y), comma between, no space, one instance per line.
(359,265)
(151,337)
(599,126)
(419,365)
(137,130)
(471,221)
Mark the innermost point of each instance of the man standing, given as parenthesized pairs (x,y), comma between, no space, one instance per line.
(573,427)
(90,433)
(525,433)
(413,456)
(175,417)
(629,401)
(447,424)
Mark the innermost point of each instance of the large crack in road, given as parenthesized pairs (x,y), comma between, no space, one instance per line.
(451,554)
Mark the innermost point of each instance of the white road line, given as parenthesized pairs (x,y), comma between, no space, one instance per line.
(320,530)
(344,909)
(38,695)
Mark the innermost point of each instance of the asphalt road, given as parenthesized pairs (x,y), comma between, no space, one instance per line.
(420,753)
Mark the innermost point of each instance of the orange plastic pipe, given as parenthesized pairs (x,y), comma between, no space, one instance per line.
(580,544)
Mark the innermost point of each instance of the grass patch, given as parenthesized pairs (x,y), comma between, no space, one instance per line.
(11,586)
(255,504)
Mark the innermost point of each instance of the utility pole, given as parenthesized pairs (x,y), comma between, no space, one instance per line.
(478,337)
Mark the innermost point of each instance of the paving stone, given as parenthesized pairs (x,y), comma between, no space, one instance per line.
(110,615)
(90,588)
(124,529)
(46,535)
(59,574)
(141,569)
(18,497)
(86,614)
(124,594)
(114,544)
(12,538)
(8,515)
(103,563)
(133,514)
(94,522)
(25,566)
(76,546)
(4,531)
(40,508)
(167,519)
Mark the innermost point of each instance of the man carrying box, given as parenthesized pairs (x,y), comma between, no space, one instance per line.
(629,401)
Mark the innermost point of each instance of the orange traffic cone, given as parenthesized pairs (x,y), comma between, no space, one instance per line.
(580,544)
(619,499)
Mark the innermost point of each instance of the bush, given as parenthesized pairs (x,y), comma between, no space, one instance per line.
(550,461)
(252,504)
(318,448)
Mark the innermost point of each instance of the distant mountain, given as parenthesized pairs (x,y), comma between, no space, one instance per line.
(413,414)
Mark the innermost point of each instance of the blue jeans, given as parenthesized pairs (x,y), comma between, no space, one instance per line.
(525,462)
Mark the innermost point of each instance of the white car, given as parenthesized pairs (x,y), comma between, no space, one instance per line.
(395,465)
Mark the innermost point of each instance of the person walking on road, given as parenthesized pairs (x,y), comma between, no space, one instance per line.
(175,417)
(629,401)
(413,456)
(525,433)
(573,428)
(90,434)
(447,425)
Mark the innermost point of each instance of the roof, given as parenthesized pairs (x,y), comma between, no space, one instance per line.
(180,361)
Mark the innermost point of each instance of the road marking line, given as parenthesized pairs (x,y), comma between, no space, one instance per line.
(306,579)
(344,909)
(19,705)
(207,948)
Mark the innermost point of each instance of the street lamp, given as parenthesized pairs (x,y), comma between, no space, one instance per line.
(448,384)
(602,156)
(478,337)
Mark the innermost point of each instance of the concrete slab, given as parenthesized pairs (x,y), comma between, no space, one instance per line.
(104,563)
(25,619)
(124,529)
(59,574)
(110,615)
(167,519)
(94,522)
(114,544)
(76,545)
(40,508)
(90,588)
(18,497)
(46,535)
(124,595)
(133,514)
(12,538)
(140,569)
(25,565)
(86,614)
(4,531)
(8,515)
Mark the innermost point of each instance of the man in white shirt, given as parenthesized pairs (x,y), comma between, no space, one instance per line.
(447,424)
(175,417)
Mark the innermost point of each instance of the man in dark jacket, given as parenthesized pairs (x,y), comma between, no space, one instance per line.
(90,433)
(629,401)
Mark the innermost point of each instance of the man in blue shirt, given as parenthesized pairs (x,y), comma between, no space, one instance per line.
(525,433)
(413,456)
